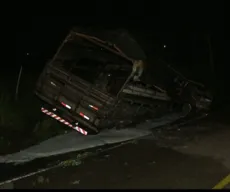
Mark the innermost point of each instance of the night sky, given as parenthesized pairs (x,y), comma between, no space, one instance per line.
(182,26)
(176,24)
(179,25)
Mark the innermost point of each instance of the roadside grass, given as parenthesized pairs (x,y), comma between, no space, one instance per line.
(21,122)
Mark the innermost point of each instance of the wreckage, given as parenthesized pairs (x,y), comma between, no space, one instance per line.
(102,79)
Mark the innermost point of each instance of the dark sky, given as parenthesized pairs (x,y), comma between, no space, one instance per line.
(176,24)
(181,25)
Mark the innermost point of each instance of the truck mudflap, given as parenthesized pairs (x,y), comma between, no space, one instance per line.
(65,122)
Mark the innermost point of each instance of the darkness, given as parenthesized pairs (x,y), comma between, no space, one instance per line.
(182,26)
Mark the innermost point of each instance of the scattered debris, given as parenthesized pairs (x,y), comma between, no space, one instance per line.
(47,180)
(135,142)
(75,162)
(83,155)
(77,182)
(99,150)
(40,179)
(72,162)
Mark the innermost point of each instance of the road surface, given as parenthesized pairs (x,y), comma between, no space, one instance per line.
(193,157)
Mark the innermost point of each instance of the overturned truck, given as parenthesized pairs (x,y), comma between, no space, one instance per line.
(102,79)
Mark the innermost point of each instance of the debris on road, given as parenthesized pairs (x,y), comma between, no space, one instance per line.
(77,182)
(153,162)
(83,155)
(135,142)
(40,179)
(68,163)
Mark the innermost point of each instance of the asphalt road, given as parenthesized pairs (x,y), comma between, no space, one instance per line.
(193,157)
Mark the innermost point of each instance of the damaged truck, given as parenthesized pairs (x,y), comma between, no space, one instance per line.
(100,79)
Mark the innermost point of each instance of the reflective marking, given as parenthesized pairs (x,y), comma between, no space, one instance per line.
(224,182)
(93,107)
(84,116)
(82,131)
(65,105)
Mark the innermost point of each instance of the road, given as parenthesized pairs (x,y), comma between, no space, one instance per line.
(193,157)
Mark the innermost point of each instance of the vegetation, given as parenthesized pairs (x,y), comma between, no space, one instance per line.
(21,122)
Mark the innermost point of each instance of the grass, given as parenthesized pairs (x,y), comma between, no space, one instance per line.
(21,122)
(10,114)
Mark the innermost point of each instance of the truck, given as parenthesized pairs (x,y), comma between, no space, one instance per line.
(101,79)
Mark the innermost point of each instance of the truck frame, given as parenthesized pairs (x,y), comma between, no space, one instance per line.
(96,82)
